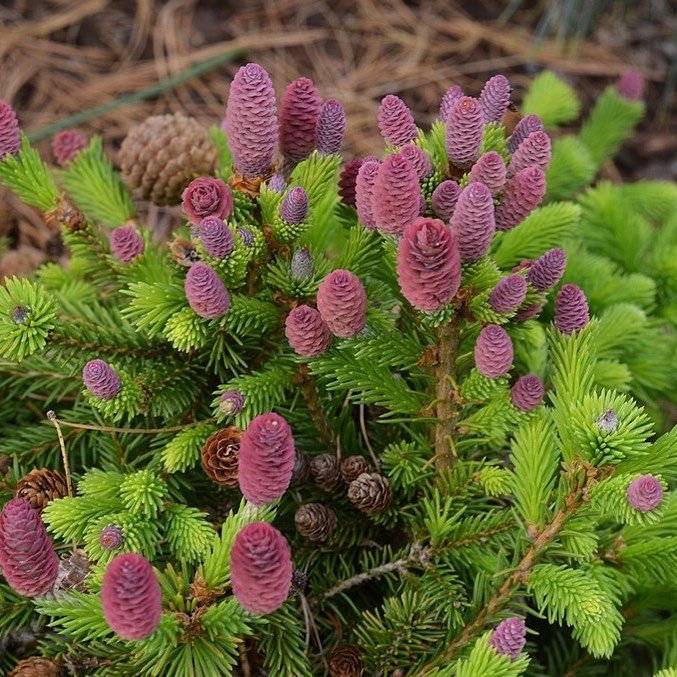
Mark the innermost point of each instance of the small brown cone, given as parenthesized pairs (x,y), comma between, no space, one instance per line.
(220,455)
(40,487)
(163,154)
(353,466)
(73,570)
(36,666)
(346,661)
(326,473)
(370,492)
(301,470)
(315,522)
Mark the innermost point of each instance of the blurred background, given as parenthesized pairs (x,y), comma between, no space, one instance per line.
(100,66)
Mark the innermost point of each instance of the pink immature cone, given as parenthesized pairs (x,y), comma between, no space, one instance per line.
(27,557)
(509,637)
(508,295)
(489,170)
(495,98)
(527,393)
(267,457)
(645,493)
(465,125)
(231,402)
(444,199)
(206,293)
(347,180)
(395,200)
(207,196)
(527,313)
(342,302)
(111,537)
(294,207)
(66,144)
(547,270)
(631,85)
(251,121)
(396,122)
(216,237)
(364,190)
(260,568)
(534,151)
(493,351)
(523,194)
(126,244)
(473,221)
(299,111)
(331,127)
(307,332)
(10,138)
(571,309)
(131,597)
(419,159)
(101,379)
(527,125)
(451,96)
(428,264)
(277,183)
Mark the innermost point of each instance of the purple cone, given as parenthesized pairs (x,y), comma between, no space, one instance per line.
(331,126)
(347,180)
(645,493)
(101,379)
(527,393)
(206,293)
(396,122)
(216,237)
(231,402)
(495,98)
(631,85)
(299,112)
(395,200)
(111,537)
(247,236)
(527,313)
(534,151)
(66,145)
(508,295)
(251,121)
(523,193)
(10,139)
(547,270)
(464,131)
(419,159)
(451,96)
(571,309)
(473,221)
(126,244)
(364,190)
(277,183)
(444,199)
(527,125)
(509,637)
(493,351)
(342,302)
(307,332)
(294,207)
(489,170)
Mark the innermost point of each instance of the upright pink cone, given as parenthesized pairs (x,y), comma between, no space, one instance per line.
(299,112)
(465,125)
(260,568)
(66,145)
(395,200)
(523,193)
(342,302)
(631,85)
(10,138)
(364,191)
(267,457)
(509,637)
(473,221)
(307,332)
(27,557)
(419,159)
(101,379)
(347,181)
(428,264)
(396,122)
(216,237)
(527,393)
(444,199)
(493,351)
(251,121)
(207,196)
(508,295)
(571,309)
(331,126)
(451,96)
(527,125)
(131,597)
(489,170)
(645,493)
(547,270)
(534,151)
(126,244)
(294,207)
(206,293)
(495,98)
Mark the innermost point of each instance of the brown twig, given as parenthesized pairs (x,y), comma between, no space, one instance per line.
(306,383)
(135,431)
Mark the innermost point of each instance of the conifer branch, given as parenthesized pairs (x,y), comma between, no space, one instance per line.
(306,383)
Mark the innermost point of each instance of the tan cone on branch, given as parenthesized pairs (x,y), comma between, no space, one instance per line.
(370,492)
(315,521)
(163,154)
(353,466)
(346,661)
(220,456)
(36,666)
(74,568)
(40,487)
(326,473)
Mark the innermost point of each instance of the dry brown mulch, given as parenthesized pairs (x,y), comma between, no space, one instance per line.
(59,57)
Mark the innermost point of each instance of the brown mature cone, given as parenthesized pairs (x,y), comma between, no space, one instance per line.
(5,464)
(163,154)
(36,666)
(220,455)
(73,570)
(353,466)
(370,492)
(301,470)
(346,661)
(40,487)
(326,473)
(315,521)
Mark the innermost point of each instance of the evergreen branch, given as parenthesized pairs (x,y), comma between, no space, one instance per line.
(306,383)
